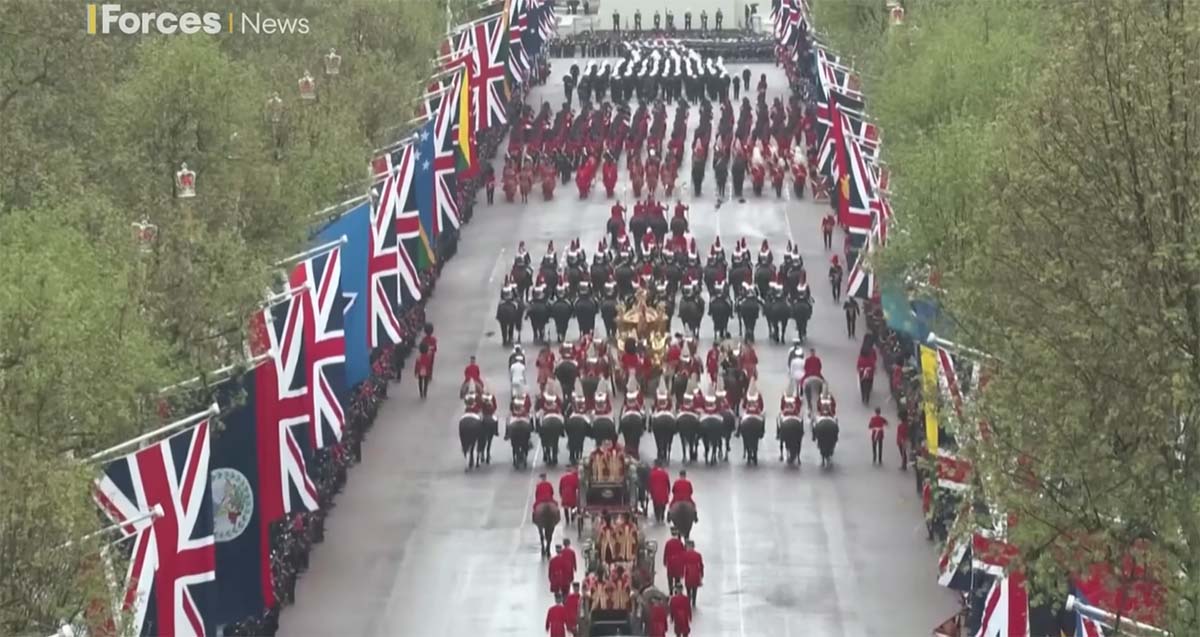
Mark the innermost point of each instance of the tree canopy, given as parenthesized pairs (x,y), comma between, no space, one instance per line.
(1044,157)
(94,128)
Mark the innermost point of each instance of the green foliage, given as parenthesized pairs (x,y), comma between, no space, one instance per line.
(94,128)
(1044,157)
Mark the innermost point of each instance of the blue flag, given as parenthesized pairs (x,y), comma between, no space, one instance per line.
(243,570)
(423,179)
(898,313)
(355,225)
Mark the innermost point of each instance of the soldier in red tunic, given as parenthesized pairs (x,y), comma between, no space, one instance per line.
(672,550)
(510,181)
(637,176)
(568,490)
(681,613)
(651,176)
(610,176)
(693,571)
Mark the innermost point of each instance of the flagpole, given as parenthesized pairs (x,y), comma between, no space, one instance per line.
(312,252)
(463,27)
(212,410)
(342,204)
(390,147)
(155,512)
(217,373)
(1114,621)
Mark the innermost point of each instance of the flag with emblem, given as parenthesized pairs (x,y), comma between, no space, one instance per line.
(365,308)
(409,231)
(242,538)
(169,586)
(324,346)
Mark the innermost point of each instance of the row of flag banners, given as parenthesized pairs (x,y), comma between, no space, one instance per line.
(196,508)
(849,156)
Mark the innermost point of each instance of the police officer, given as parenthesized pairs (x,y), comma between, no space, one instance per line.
(670,20)
(720,18)
(637,20)
(687,20)
(704,20)
(616,22)
(657,21)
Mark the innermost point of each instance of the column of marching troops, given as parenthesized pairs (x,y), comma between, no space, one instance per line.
(761,140)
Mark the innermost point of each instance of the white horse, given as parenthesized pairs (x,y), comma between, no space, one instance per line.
(814,386)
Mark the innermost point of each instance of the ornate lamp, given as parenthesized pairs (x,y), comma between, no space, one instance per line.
(185,182)
(308,87)
(145,233)
(333,63)
(274,108)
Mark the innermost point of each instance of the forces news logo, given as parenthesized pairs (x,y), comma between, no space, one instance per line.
(107,19)
(233,503)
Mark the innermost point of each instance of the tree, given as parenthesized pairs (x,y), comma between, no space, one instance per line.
(1084,283)
(1058,202)
(94,128)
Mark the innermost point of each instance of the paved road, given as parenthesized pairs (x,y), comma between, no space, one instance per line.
(419,547)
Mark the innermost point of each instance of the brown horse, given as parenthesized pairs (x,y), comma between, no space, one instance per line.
(545,518)
(683,516)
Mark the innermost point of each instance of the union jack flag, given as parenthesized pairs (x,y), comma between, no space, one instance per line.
(548,27)
(283,400)
(324,348)
(167,587)
(383,268)
(487,81)
(403,201)
(517,20)
(1006,611)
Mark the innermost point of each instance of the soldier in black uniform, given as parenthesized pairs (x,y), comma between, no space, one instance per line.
(657,21)
(746,24)
(616,21)
(704,20)
(670,20)
(687,20)
(568,87)
(737,88)
(746,79)
(720,17)
(637,20)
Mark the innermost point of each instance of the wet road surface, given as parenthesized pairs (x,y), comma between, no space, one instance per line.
(419,547)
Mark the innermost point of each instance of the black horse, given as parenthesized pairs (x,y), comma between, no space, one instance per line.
(662,425)
(608,313)
(585,313)
(691,311)
(720,310)
(539,316)
(519,434)
(748,310)
(550,429)
(470,429)
(561,311)
(801,310)
(508,314)
(689,433)
(777,313)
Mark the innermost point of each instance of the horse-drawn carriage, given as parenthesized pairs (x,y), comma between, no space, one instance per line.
(608,485)
(619,565)
(647,325)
